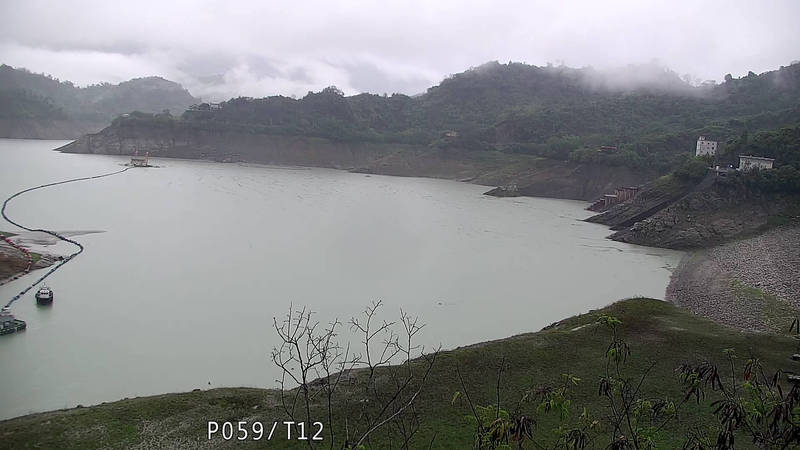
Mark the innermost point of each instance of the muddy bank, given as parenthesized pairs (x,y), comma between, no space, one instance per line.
(750,284)
(15,263)
(574,181)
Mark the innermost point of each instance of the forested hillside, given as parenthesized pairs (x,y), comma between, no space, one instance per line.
(26,95)
(648,113)
(692,207)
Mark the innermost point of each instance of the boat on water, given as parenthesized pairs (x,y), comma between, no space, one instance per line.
(44,296)
(8,323)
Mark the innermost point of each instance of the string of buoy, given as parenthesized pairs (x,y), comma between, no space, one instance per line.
(51,233)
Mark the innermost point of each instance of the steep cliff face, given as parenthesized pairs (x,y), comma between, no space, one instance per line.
(230,146)
(654,197)
(711,216)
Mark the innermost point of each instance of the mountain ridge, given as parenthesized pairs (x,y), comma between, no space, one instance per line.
(494,124)
(40,106)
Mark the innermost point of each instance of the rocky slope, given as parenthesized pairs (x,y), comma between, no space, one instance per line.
(711,216)
(681,213)
(752,284)
(655,196)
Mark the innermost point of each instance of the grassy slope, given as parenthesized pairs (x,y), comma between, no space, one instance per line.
(655,330)
(776,313)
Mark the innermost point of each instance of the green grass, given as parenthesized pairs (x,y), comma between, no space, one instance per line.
(36,257)
(656,331)
(774,221)
(776,313)
(790,215)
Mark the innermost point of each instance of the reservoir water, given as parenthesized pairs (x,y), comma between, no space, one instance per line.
(195,258)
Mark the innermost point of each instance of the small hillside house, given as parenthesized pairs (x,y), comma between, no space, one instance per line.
(705,147)
(748,163)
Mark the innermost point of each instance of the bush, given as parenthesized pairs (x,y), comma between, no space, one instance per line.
(693,168)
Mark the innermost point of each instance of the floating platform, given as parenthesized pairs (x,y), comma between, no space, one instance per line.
(140,161)
(9,324)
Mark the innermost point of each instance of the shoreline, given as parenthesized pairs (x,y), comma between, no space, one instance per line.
(14,263)
(749,284)
(536,176)
(658,330)
(677,272)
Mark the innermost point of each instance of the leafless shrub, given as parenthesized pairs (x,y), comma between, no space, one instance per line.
(385,378)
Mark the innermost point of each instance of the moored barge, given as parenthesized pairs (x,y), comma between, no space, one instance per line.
(9,324)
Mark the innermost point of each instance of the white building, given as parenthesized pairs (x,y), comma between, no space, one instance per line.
(705,147)
(748,163)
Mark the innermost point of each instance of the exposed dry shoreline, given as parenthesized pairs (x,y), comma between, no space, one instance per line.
(750,284)
(535,176)
(13,262)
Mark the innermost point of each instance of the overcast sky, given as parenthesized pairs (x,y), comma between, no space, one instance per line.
(220,49)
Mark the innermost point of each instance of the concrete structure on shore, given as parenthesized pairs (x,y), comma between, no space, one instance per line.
(705,147)
(748,163)
(621,194)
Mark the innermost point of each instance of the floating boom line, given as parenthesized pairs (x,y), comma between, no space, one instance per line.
(51,233)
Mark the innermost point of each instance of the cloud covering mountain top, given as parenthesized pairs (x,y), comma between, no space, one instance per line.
(221,49)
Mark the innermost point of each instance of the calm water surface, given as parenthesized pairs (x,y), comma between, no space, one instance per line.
(196,258)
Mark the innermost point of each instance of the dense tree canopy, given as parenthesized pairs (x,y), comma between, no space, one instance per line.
(555,112)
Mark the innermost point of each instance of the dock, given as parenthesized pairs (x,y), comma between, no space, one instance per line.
(9,324)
